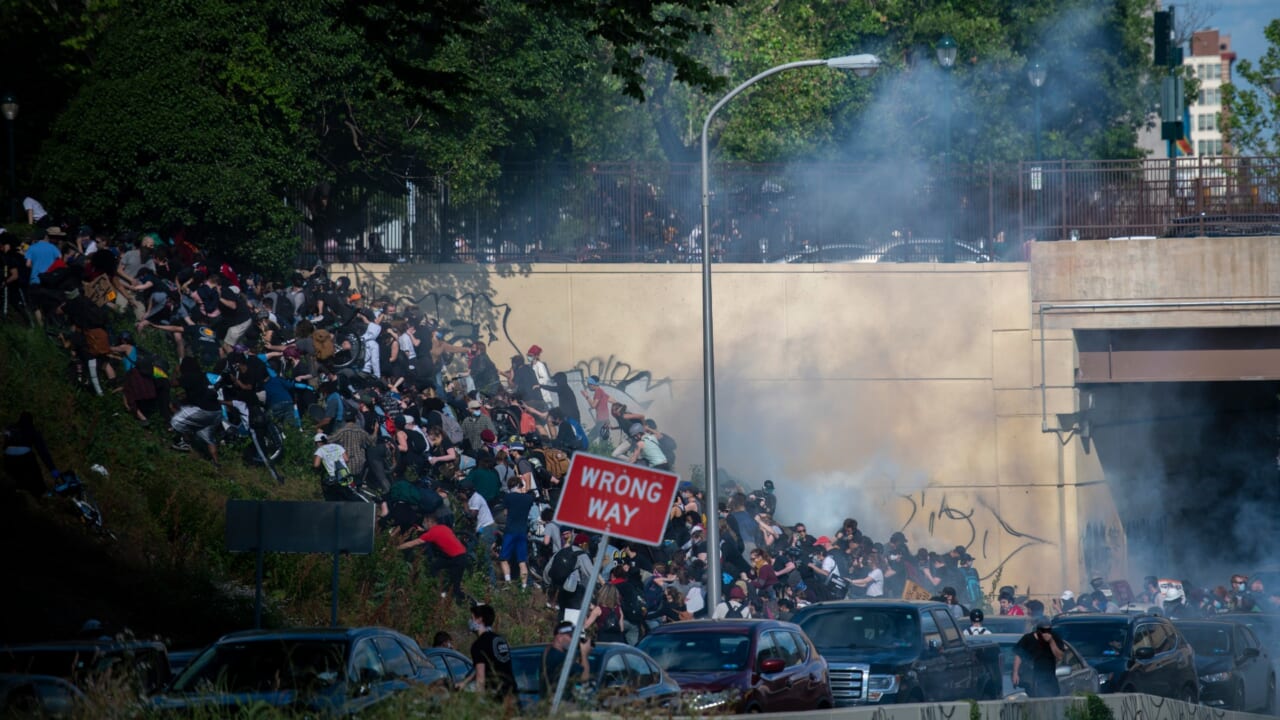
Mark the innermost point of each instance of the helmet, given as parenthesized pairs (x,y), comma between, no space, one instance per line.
(976,615)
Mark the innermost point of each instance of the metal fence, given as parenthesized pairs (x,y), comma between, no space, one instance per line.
(638,212)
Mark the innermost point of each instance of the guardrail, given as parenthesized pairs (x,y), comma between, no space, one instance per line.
(639,212)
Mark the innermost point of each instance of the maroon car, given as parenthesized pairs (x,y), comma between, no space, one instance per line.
(741,665)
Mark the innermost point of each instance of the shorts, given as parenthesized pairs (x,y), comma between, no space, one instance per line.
(191,419)
(515,546)
(235,332)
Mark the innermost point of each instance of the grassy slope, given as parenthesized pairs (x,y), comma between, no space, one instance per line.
(169,575)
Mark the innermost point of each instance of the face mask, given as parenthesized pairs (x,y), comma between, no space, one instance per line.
(1239,586)
(473,626)
(476,413)
(530,359)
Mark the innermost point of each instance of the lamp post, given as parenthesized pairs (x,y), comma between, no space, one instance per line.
(946,52)
(9,108)
(863,66)
(1036,73)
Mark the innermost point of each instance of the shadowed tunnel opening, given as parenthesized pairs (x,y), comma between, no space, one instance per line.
(1193,470)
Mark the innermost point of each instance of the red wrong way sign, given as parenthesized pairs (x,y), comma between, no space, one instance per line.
(627,501)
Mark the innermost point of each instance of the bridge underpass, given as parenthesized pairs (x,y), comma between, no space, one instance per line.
(1184,423)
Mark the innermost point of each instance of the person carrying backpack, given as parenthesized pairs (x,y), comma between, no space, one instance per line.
(734,606)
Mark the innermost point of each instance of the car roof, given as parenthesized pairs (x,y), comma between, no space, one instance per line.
(307,633)
(738,626)
(1095,617)
(103,646)
(1203,621)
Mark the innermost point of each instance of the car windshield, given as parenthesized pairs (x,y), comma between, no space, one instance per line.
(265,665)
(1094,640)
(698,651)
(871,628)
(1207,639)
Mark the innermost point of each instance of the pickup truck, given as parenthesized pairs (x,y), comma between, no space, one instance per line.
(899,651)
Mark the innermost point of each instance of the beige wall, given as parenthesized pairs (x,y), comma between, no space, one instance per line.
(906,396)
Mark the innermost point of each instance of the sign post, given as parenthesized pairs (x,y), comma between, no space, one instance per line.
(615,499)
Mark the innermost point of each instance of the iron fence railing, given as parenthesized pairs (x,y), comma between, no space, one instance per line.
(637,212)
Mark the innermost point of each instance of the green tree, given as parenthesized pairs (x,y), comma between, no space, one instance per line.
(213,113)
(1252,127)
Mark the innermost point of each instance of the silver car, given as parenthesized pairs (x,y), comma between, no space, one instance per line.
(1075,676)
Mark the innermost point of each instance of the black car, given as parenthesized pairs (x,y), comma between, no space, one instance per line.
(621,677)
(1133,653)
(82,661)
(1225,225)
(317,670)
(1235,672)
(457,665)
(1265,626)
(42,696)
(1002,624)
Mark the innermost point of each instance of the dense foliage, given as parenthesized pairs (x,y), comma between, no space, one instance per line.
(242,119)
(1253,125)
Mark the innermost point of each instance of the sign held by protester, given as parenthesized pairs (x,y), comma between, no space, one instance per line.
(607,496)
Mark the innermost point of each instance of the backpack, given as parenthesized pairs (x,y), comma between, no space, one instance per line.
(633,606)
(150,364)
(323,341)
(668,446)
(735,611)
(452,429)
(654,599)
(554,460)
(563,565)
(284,308)
(611,621)
(579,434)
(416,441)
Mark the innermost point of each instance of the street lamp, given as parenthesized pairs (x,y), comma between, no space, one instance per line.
(9,108)
(946,52)
(1036,73)
(863,66)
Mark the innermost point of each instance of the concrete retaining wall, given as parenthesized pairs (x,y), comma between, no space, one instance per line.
(1124,707)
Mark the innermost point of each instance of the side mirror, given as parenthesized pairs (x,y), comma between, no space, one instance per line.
(1144,653)
(772,665)
(1250,653)
(1062,671)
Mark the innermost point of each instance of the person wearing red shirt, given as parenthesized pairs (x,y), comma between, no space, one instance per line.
(450,556)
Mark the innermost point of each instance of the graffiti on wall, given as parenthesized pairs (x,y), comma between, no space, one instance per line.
(474,316)
(976,525)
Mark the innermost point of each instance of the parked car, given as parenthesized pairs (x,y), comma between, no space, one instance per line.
(741,666)
(1235,671)
(457,665)
(1265,626)
(321,670)
(180,659)
(1075,675)
(621,677)
(890,651)
(82,661)
(42,696)
(1001,624)
(1133,653)
(922,250)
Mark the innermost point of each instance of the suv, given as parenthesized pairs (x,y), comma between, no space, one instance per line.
(1134,653)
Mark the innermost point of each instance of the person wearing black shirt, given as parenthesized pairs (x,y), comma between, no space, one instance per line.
(200,412)
(554,656)
(235,312)
(491,657)
(1041,649)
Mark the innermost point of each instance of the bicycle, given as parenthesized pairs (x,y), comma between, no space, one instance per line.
(71,488)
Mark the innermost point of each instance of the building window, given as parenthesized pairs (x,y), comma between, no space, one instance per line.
(1207,122)
(1210,96)
(1209,148)
(1210,71)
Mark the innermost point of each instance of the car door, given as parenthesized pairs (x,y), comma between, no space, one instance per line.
(799,695)
(933,675)
(1081,678)
(962,674)
(773,689)
(1251,664)
(642,679)
(398,668)
(367,675)
(613,686)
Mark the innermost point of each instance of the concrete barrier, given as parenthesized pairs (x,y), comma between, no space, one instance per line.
(1123,707)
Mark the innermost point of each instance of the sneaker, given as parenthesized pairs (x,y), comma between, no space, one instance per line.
(181,446)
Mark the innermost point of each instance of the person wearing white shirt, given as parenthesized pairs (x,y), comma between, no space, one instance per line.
(35,211)
(873,581)
(478,508)
(372,353)
(543,375)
